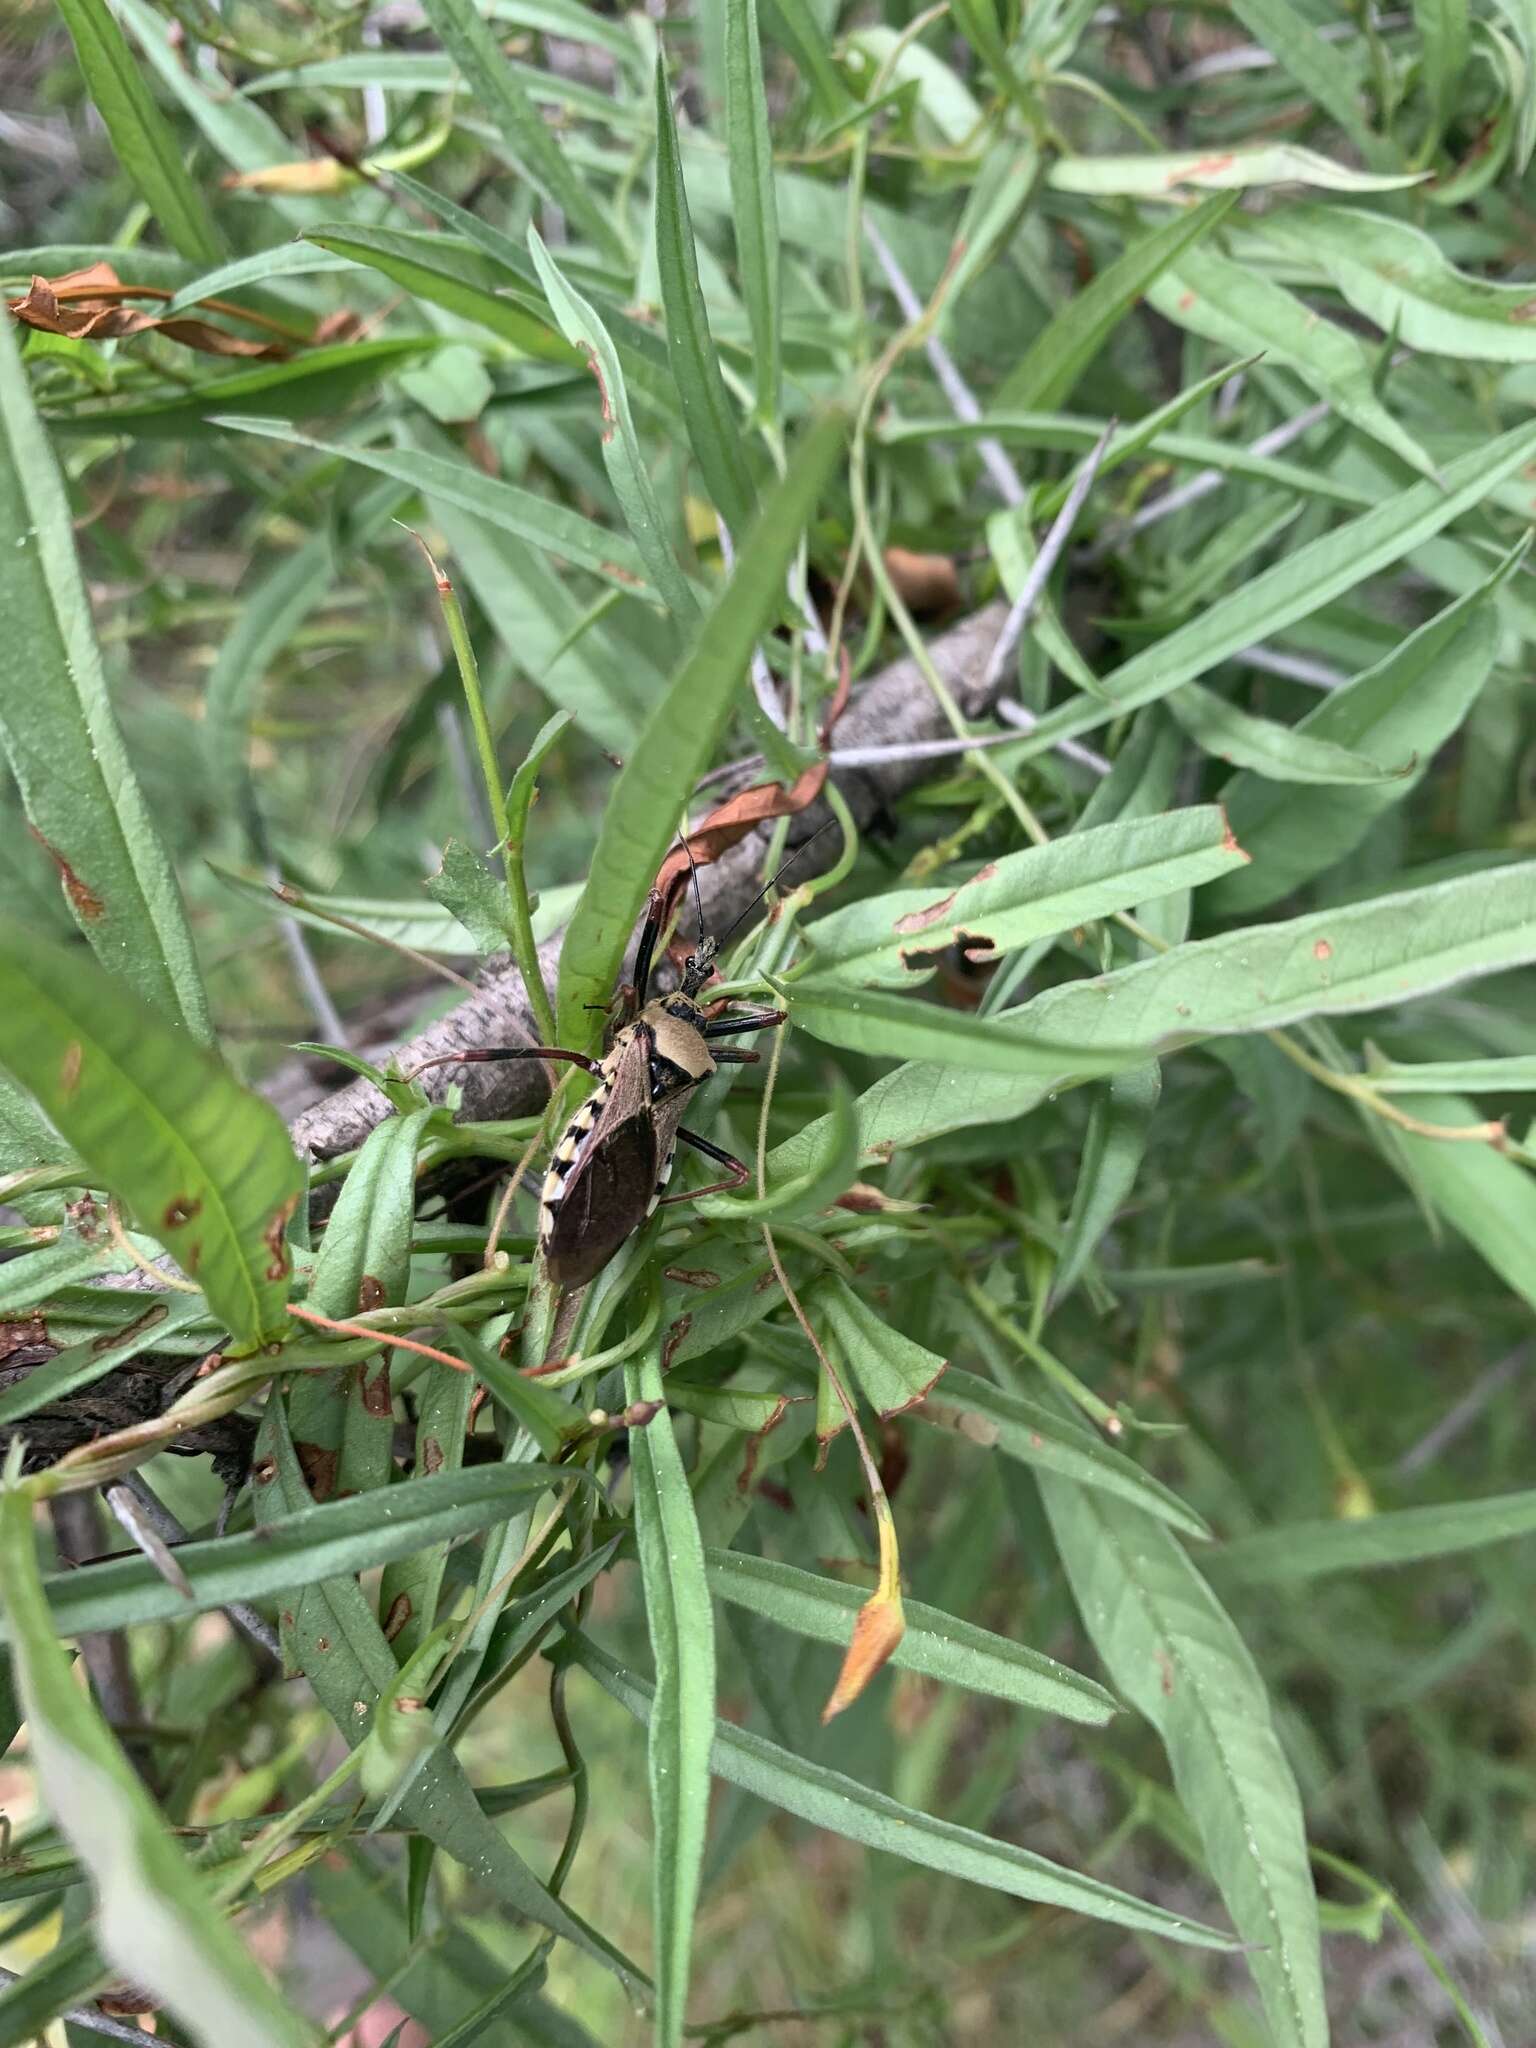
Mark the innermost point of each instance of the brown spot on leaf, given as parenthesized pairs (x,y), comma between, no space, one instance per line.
(920,920)
(318,1464)
(322,1643)
(69,1068)
(692,1276)
(1322,950)
(109,1340)
(1208,167)
(371,1294)
(263,1472)
(180,1210)
(272,1237)
(431,1455)
(1186,300)
(1526,310)
(602,385)
(1165,1669)
(82,899)
(915,1400)
(1229,840)
(675,1336)
(375,1392)
(400,1611)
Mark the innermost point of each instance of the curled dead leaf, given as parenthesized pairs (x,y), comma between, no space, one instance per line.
(733,820)
(877,1630)
(91,305)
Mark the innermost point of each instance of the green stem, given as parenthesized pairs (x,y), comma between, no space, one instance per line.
(519,906)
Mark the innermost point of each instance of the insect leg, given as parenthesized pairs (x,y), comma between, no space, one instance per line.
(734,1056)
(748,1020)
(506,1052)
(739,1173)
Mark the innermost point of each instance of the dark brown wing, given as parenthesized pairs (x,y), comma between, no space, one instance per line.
(604,1201)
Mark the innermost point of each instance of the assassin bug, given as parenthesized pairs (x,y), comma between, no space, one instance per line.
(610,1169)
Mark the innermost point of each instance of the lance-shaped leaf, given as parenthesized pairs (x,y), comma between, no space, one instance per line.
(994,1419)
(296,1547)
(203,1164)
(754,201)
(140,134)
(546,524)
(1117,1138)
(1153,173)
(154,1917)
(843,1806)
(714,432)
(889,940)
(1057,357)
(623,456)
(342,1651)
(890,1370)
(60,736)
(1170,1647)
(937,1645)
(530,143)
(680,1620)
(1315,1550)
(1361,956)
(1240,308)
(1397,276)
(679,741)
(1404,708)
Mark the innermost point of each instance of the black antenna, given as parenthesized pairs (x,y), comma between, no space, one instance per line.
(773,880)
(693,869)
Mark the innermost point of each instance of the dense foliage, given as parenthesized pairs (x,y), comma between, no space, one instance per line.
(1080,456)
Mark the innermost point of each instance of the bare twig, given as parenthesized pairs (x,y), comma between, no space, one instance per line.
(148,1520)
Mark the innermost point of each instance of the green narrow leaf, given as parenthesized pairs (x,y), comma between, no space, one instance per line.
(754,203)
(521,513)
(530,143)
(1446,43)
(1399,277)
(140,134)
(1488,1198)
(1171,1649)
(1117,1139)
(1239,308)
(1315,1550)
(1359,956)
(297,1547)
(1036,1435)
(824,1176)
(81,1365)
(1279,753)
(891,1370)
(679,740)
(623,456)
(1298,48)
(1295,588)
(60,735)
(319,380)
(900,1027)
(1404,708)
(276,608)
(364,1263)
(1059,354)
(1153,175)
(204,1165)
(845,1807)
(154,1918)
(343,1653)
(935,1644)
(887,940)
(714,432)
(682,1632)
